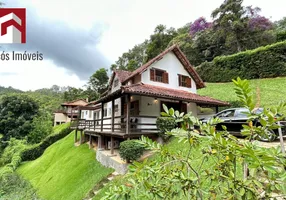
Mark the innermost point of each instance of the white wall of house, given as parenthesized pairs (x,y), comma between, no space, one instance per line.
(173,66)
(60,118)
(116,87)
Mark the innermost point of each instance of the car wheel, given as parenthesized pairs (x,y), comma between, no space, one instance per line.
(269,137)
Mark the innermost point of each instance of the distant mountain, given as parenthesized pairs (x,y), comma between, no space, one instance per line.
(6,90)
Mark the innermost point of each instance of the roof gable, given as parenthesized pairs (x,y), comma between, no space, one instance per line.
(181,57)
(78,102)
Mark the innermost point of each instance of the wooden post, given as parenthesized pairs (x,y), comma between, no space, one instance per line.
(90,141)
(112,147)
(99,143)
(216,109)
(128,115)
(112,117)
(80,137)
(75,136)
(102,113)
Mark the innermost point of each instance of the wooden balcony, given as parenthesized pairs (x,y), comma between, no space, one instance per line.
(118,126)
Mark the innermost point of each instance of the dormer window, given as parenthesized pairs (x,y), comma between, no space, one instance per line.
(184,81)
(116,82)
(159,75)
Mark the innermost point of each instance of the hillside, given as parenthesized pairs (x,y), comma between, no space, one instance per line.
(64,171)
(6,90)
(268,91)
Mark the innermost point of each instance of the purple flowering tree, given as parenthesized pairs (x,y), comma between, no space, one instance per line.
(259,23)
(200,24)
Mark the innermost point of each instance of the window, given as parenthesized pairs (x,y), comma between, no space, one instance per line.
(116,108)
(185,81)
(116,82)
(228,113)
(105,112)
(90,114)
(159,75)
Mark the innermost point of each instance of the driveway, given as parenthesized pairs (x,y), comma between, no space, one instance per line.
(272,144)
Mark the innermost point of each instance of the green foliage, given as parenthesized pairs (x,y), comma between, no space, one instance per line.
(130,150)
(98,81)
(281,36)
(159,41)
(165,124)
(213,171)
(37,150)
(16,116)
(19,151)
(14,147)
(64,171)
(16,188)
(7,90)
(263,62)
(42,126)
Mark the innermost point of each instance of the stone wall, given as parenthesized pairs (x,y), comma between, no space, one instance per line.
(110,161)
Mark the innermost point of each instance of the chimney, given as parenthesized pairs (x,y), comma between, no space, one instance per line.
(86,99)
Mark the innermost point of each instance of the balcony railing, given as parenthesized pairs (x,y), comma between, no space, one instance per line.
(137,124)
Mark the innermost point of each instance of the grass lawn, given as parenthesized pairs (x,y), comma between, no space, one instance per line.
(272,91)
(64,171)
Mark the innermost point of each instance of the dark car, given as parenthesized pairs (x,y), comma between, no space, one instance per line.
(234,118)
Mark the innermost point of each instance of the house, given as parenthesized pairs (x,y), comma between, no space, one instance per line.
(68,111)
(133,101)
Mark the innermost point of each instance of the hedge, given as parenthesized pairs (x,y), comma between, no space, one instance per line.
(263,62)
(37,150)
(32,152)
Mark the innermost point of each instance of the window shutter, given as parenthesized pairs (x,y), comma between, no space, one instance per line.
(179,78)
(165,77)
(189,82)
(152,74)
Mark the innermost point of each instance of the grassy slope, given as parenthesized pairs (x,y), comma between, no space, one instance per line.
(64,171)
(272,91)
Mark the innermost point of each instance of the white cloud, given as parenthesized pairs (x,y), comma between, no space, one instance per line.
(32,75)
(126,23)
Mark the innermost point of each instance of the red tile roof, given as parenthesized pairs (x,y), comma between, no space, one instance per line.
(122,75)
(183,59)
(79,102)
(162,92)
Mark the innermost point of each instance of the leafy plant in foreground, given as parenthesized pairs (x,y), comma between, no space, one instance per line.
(216,170)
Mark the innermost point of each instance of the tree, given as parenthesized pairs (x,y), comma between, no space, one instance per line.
(159,40)
(16,116)
(200,24)
(98,81)
(73,93)
(230,21)
(132,59)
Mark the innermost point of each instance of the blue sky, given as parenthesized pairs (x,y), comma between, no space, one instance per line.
(78,37)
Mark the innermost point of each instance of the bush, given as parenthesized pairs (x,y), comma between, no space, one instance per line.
(165,124)
(15,187)
(130,150)
(14,146)
(37,150)
(263,62)
(281,36)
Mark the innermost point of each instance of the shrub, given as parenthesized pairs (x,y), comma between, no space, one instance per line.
(14,146)
(165,124)
(37,150)
(130,150)
(263,62)
(281,36)
(15,187)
